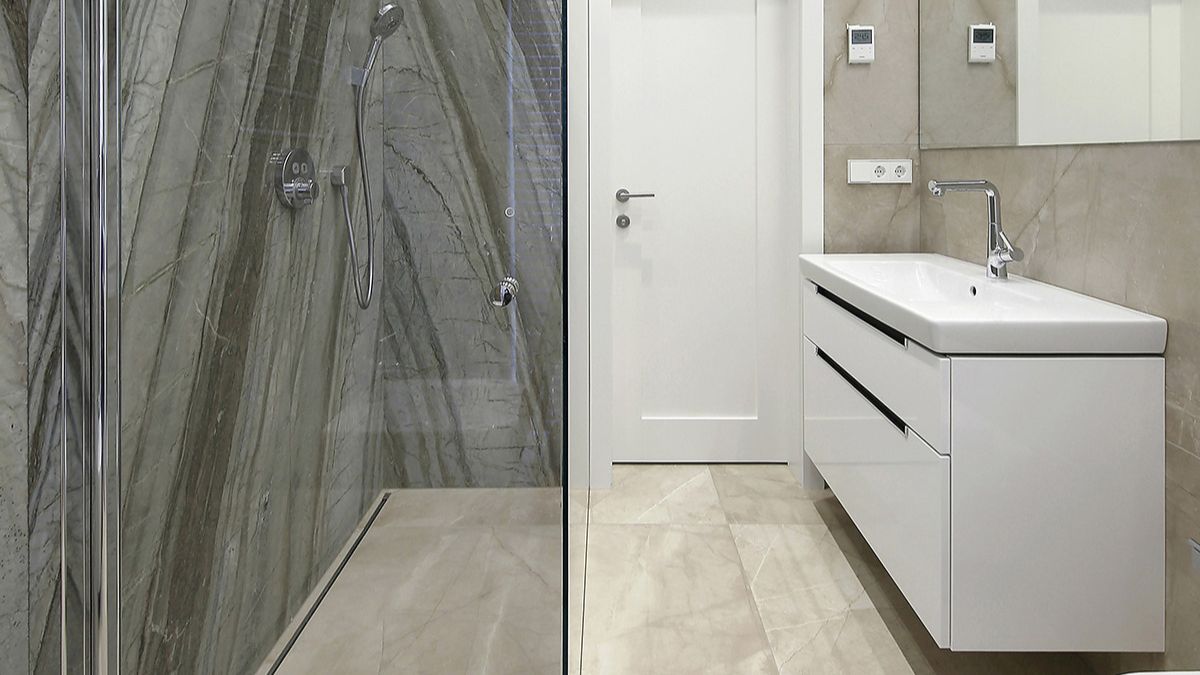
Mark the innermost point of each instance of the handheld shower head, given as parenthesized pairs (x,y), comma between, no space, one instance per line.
(386,22)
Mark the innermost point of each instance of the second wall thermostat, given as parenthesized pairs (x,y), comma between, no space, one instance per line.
(862,43)
(982,43)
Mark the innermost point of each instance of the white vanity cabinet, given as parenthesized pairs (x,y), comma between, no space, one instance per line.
(1017,500)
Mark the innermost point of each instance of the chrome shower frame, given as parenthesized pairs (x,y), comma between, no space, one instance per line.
(89,303)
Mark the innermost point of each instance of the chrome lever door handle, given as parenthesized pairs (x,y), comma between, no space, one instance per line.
(624,195)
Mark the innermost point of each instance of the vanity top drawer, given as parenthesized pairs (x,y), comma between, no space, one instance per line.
(893,485)
(910,380)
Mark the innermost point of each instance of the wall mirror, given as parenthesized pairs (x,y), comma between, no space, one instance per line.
(1058,72)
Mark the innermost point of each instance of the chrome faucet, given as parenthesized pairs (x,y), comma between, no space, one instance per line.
(1000,250)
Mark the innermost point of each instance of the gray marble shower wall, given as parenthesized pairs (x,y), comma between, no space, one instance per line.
(14,325)
(248,417)
(473,394)
(262,410)
(30,337)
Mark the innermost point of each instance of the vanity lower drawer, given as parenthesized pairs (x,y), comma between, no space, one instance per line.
(911,380)
(895,487)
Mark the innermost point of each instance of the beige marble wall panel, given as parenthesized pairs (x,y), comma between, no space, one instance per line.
(870,113)
(877,102)
(870,218)
(967,104)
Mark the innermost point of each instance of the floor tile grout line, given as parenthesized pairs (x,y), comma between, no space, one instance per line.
(720,499)
(753,600)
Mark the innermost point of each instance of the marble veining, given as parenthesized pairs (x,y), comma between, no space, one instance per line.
(658,494)
(46,416)
(14,249)
(879,218)
(441,585)
(815,611)
(261,411)
(248,415)
(473,394)
(669,598)
(783,583)
(967,104)
(855,95)
(722,569)
(871,113)
(30,337)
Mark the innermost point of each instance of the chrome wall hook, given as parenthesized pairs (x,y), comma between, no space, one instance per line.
(505,292)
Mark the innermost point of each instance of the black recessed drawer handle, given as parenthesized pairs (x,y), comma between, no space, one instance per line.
(888,331)
(871,398)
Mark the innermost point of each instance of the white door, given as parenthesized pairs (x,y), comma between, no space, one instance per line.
(695,102)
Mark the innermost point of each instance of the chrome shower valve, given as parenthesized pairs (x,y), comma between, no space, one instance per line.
(295,178)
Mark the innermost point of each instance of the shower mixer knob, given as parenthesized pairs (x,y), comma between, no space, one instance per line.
(295,178)
(305,191)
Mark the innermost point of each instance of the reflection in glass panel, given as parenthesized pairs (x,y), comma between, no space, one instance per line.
(1065,72)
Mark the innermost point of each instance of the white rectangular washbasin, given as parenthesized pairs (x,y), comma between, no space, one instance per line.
(951,307)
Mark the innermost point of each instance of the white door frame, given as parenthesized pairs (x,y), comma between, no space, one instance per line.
(589,343)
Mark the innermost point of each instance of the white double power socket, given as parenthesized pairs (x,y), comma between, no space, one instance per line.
(879,171)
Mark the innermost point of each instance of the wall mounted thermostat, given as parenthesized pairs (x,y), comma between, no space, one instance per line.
(862,43)
(982,38)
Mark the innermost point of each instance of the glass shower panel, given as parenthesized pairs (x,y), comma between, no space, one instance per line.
(473,393)
(472,340)
(264,416)
(247,421)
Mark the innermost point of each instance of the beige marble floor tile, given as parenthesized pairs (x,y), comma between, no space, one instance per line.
(764,494)
(472,506)
(444,598)
(426,567)
(337,642)
(666,599)
(347,629)
(855,642)
(658,493)
(817,616)
(509,622)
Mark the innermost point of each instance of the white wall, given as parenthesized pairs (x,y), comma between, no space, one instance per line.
(1166,64)
(1189,25)
(1104,71)
(1083,71)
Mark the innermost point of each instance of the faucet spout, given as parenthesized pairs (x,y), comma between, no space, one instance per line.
(1000,250)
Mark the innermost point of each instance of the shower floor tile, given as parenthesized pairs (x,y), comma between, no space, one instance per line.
(445,581)
(675,569)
